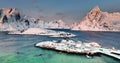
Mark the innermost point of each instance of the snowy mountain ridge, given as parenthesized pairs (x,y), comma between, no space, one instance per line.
(12,20)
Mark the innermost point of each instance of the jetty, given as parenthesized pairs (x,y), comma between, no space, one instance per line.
(111,53)
(79,47)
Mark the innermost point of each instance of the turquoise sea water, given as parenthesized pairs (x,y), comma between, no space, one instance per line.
(20,48)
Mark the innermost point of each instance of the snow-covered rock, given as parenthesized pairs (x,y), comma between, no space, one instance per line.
(12,20)
(96,20)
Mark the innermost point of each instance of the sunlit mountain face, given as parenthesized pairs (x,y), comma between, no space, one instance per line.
(97,20)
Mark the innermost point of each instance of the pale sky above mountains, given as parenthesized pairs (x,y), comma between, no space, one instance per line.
(67,10)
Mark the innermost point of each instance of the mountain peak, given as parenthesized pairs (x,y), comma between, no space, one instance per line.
(94,14)
(9,11)
(96,8)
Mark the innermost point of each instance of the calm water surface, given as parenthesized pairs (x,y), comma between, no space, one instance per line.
(20,48)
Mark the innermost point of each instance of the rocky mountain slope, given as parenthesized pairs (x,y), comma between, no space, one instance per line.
(96,20)
(12,20)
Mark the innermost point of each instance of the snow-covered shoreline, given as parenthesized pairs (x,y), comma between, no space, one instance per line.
(38,31)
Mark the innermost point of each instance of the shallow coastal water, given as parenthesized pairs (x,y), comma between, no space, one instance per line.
(20,48)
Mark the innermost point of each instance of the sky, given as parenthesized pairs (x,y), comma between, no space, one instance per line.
(66,10)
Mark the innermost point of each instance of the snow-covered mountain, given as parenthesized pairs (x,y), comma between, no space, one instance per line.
(12,20)
(96,20)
